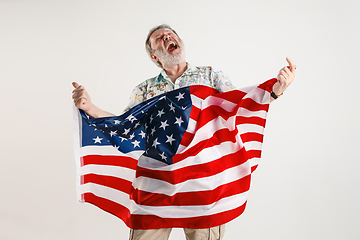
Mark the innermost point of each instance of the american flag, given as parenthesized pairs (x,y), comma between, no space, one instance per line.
(180,159)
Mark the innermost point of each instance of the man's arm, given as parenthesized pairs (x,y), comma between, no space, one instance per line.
(284,78)
(82,100)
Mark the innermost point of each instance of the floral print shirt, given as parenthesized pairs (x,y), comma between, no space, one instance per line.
(192,76)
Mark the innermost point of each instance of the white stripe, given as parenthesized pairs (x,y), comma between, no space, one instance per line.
(254,161)
(250,128)
(121,198)
(206,155)
(253,145)
(107,193)
(220,102)
(224,204)
(114,171)
(108,151)
(243,112)
(258,95)
(199,184)
(191,126)
(196,101)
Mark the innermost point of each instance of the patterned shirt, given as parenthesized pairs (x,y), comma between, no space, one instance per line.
(192,76)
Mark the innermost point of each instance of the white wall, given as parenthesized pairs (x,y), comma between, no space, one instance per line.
(307,185)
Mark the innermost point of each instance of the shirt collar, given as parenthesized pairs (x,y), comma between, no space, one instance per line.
(189,71)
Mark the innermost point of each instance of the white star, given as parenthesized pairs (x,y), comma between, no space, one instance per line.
(153,130)
(161,112)
(180,96)
(142,134)
(170,139)
(137,124)
(136,143)
(145,126)
(106,125)
(164,125)
(122,139)
(163,97)
(172,108)
(178,121)
(183,108)
(97,139)
(112,133)
(126,131)
(151,119)
(163,157)
(116,122)
(132,136)
(155,143)
(131,118)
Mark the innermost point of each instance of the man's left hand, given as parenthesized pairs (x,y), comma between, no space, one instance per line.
(285,77)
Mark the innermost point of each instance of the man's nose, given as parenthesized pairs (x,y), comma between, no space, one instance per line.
(166,37)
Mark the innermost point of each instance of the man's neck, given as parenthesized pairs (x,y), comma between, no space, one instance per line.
(176,71)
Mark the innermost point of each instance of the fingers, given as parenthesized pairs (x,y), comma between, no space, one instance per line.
(292,65)
(75,84)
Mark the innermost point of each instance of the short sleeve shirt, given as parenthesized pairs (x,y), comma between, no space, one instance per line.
(192,76)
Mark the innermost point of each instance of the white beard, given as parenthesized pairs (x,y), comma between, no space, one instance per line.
(168,60)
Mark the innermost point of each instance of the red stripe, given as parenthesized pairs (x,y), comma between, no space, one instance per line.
(250,120)
(109,206)
(109,181)
(195,171)
(202,91)
(187,138)
(251,136)
(120,161)
(154,222)
(222,135)
(192,198)
(195,112)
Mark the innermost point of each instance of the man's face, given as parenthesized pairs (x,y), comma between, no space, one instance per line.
(167,47)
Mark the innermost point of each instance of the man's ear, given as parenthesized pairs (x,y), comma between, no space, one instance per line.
(154,57)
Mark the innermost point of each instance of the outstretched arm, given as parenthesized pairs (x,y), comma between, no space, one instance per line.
(82,100)
(284,78)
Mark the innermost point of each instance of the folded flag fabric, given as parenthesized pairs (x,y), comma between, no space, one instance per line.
(180,159)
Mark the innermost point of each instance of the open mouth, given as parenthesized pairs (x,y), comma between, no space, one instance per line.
(172,46)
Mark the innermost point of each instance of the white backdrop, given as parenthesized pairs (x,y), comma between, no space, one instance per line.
(307,185)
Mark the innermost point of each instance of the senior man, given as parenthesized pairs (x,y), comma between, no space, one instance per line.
(166,50)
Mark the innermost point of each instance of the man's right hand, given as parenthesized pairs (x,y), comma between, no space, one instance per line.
(81,98)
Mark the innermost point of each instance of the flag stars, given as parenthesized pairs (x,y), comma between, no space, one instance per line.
(180,96)
(170,139)
(126,131)
(153,130)
(155,143)
(178,121)
(112,133)
(163,157)
(131,118)
(136,143)
(160,112)
(164,125)
(117,122)
(137,124)
(172,108)
(132,136)
(97,140)
(142,134)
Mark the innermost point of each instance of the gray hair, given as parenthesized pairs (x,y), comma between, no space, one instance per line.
(148,47)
